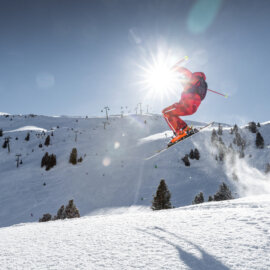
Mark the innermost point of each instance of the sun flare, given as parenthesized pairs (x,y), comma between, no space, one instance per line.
(158,78)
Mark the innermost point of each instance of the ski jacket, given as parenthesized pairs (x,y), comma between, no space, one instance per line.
(193,82)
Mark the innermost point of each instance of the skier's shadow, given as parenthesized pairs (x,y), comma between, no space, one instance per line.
(206,261)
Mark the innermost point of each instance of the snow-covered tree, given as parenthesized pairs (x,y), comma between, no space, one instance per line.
(259,140)
(198,198)
(252,127)
(220,131)
(45,218)
(71,210)
(267,168)
(235,128)
(162,198)
(214,136)
(223,193)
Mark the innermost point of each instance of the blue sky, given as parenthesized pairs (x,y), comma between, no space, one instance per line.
(75,57)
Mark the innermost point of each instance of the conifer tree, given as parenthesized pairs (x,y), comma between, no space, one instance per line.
(267,169)
(214,136)
(223,193)
(220,131)
(162,198)
(196,154)
(191,154)
(198,198)
(235,128)
(252,127)
(45,218)
(210,198)
(60,213)
(48,161)
(71,210)
(259,141)
(73,156)
(1,132)
(27,137)
(186,160)
(47,140)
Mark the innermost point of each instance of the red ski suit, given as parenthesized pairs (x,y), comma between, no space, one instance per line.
(189,102)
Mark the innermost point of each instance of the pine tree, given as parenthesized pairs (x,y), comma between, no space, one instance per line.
(48,161)
(73,156)
(220,131)
(71,210)
(191,154)
(267,168)
(223,193)
(210,198)
(44,159)
(27,137)
(241,152)
(235,128)
(47,140)
(259,141)
(196,154)
(214,136)
(252,127)
(45,218)
(198,198)
(162,198)
(1,132)
(60,213)
(258,124)
(186,160)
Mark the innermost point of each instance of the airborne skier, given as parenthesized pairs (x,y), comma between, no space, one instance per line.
(195,89)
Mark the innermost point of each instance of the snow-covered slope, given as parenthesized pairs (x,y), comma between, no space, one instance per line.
(214,236)
(114,172)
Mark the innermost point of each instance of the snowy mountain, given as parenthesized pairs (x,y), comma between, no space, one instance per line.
(114,172)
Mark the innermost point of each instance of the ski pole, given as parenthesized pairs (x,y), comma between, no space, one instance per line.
(179,62)
(218,93)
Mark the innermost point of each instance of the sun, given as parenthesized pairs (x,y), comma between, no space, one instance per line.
(158,79)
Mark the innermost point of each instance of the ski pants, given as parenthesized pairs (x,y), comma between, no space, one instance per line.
(188,105)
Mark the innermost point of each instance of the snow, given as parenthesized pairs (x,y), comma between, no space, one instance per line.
(28,128)
(218,235)
(114,172)
(113,189)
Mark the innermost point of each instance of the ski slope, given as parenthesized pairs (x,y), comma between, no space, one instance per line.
(114,174)
(212,236)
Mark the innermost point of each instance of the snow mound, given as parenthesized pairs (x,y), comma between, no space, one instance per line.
(220,235)
(28,128)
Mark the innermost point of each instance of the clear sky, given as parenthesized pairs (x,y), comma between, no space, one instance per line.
(75,57)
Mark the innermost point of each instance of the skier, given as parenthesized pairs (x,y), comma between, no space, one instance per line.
(194,92)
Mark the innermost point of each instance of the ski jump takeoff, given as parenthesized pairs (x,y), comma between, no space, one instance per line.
(195,89)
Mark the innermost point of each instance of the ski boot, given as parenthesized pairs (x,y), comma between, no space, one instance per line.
(185,132)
